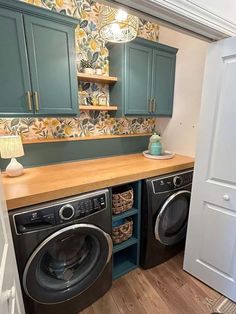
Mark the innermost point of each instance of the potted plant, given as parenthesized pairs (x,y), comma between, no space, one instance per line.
(87,66)
(98,70)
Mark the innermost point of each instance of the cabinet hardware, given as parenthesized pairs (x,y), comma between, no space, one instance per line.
(150,105)
(226,197)
(28,94)
(36,99)
(154,105)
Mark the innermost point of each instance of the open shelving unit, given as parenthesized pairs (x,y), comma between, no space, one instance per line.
(101,108)
(103,79)
(126,254)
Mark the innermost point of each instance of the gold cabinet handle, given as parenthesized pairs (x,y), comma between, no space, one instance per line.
(29,102)
(154,105)
(150,105)
(36,100)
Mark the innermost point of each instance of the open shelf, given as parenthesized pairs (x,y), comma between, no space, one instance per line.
(128,213)
(124,261)
(126,254)
(101,108)
(125,244)
(97,78)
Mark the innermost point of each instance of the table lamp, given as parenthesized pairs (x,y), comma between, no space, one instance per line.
(11,147)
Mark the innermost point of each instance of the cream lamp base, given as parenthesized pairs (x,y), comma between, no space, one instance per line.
(14,169)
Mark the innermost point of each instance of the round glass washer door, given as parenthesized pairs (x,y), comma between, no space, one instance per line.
(171,222)
(67,263)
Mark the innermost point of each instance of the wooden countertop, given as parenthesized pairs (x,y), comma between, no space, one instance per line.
(41,184)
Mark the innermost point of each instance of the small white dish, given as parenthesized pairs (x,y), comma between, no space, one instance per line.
(167,155)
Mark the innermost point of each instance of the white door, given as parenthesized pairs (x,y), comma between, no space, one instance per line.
(10,291)
(210,253)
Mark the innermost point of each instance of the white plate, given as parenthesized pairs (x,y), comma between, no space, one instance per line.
(167,155)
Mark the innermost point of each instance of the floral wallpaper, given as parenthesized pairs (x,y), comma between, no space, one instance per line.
(89,45)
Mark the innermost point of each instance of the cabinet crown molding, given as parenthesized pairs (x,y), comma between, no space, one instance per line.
(186,14)
(37,11)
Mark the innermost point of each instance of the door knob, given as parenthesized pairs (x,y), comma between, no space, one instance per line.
(226,197)
(11,293)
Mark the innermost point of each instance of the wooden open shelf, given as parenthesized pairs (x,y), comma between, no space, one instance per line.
(100,108)
(97,78)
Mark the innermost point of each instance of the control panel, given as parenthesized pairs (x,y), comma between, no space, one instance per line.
(172,182)
(56,213)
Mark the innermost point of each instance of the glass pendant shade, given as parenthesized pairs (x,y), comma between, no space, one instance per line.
(117,26)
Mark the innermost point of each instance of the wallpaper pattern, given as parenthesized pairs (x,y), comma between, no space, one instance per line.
(89,45)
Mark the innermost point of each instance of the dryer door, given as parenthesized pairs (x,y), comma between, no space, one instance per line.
(67,263)
(171,222)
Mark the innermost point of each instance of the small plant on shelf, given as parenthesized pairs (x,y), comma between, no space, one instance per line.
(86,66)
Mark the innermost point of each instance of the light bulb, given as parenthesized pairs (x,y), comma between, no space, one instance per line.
(121,15)
(115,28)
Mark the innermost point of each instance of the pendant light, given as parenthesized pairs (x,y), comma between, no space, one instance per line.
(117,26)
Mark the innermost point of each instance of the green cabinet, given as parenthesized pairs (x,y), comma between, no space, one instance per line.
(37,61)
(146,75)
(138,66)
(14,68)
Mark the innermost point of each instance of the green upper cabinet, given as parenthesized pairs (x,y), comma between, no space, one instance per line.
(163,78)
(14,69)
(38,70)
(138,66)
(146,75)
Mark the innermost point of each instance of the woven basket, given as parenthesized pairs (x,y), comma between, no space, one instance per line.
(122,199)
(123,232)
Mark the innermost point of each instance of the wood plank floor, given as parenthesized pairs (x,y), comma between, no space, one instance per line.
(164,289)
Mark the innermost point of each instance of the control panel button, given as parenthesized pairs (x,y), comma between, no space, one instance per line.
(178,181)
(66,212)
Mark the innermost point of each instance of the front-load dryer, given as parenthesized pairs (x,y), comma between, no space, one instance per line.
(165,209)
(63,250)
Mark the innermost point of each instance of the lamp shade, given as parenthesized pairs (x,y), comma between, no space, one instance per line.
(11,146)
(116,25)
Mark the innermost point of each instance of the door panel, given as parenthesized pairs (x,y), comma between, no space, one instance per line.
(225,135)
(163,78)
(10,292)
(211,239)
(52,64)
(215,220)
(14,78)
(138,79)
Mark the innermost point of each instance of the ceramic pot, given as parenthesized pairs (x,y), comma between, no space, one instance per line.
(88,70)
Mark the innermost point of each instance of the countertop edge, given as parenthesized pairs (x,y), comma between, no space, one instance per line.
(34,199)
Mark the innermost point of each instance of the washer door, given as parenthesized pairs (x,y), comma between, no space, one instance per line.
(171,222)
(67,263)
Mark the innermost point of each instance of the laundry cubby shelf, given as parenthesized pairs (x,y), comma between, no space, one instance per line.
(125,244)
(126,214)
(126,254)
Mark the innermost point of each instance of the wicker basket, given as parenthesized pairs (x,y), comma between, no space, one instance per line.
(122,199)
(123,232)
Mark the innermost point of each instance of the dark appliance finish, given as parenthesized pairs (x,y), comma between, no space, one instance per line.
(165,209)
(63,250)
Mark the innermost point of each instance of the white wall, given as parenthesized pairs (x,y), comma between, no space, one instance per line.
(226,9)
(179,132)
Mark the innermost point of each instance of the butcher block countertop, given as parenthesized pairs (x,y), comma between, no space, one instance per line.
(41,184)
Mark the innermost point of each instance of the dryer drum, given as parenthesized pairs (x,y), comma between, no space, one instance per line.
(171,222)
(66,263)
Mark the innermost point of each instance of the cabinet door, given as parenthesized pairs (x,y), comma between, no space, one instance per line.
(14,70)
(163,78)
(52,65)
(10,292)
(138,72)
(210,253)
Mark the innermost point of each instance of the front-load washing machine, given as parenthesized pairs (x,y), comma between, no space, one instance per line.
(165,209)
(63,250)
